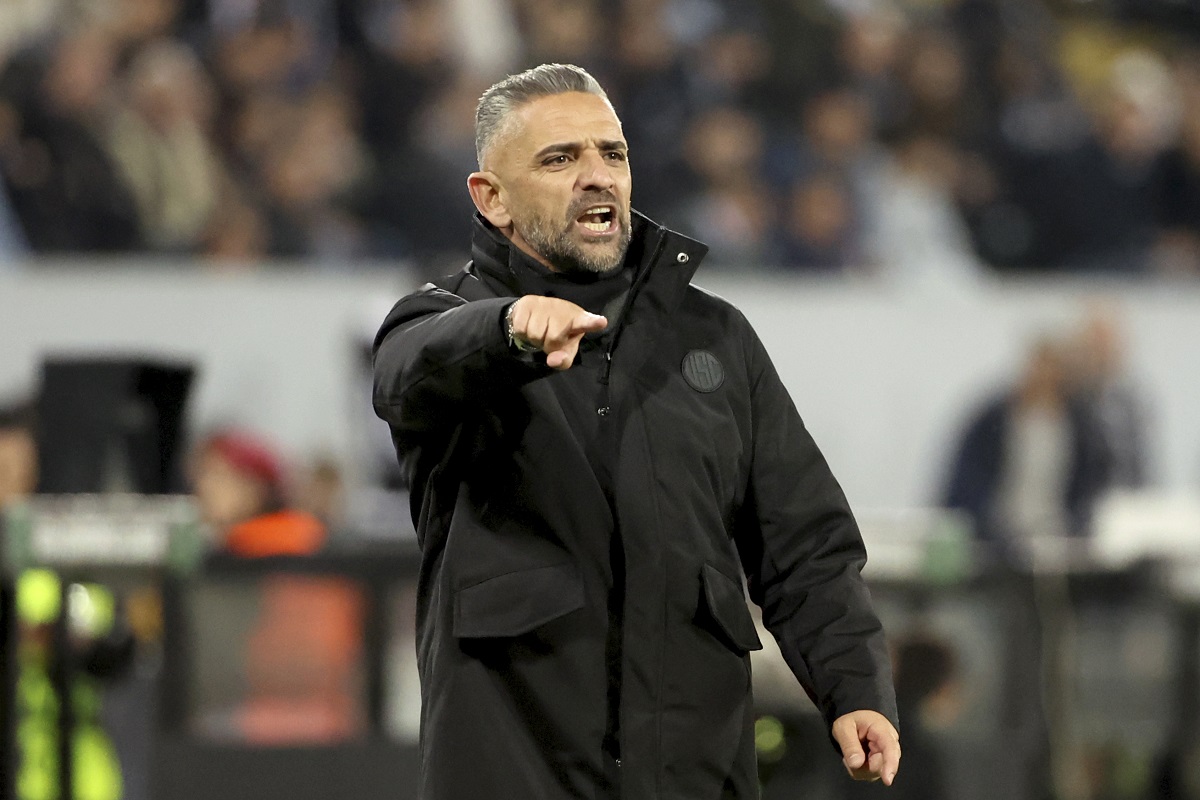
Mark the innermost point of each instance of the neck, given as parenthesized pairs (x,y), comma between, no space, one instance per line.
(510,232)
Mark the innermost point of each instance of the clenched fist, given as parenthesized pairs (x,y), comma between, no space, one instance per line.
(554,326)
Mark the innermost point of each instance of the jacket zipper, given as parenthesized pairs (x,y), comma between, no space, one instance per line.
(604,408)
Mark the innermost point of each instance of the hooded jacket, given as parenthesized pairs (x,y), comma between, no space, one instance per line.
(582,624)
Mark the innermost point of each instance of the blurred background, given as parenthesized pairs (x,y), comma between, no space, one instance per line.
(967,230)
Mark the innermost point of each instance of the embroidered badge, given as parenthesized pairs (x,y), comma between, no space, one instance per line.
(703,371)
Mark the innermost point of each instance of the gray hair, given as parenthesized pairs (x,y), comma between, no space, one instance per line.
(516,90)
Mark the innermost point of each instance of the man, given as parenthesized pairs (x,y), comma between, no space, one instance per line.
(592,445)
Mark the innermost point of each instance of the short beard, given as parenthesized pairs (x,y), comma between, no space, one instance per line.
(568,256)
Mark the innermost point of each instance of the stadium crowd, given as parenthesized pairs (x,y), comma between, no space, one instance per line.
(919,138)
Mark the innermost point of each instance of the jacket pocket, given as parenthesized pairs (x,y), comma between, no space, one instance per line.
(517,602)
(727,605)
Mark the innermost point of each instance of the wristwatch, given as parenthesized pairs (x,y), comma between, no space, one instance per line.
(514,341)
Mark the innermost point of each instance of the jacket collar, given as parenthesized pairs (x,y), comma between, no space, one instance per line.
(664,260)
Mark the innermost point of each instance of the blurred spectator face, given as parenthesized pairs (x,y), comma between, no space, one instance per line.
(1043,381)
(168,87)
(1139,116)
(261,121)
(838,126)
(322,492)
(936,73)
(1098,349)
(262,57)
(540,192)
(642,40)
(932,160)
(18,465)
(321,158)
(735,59)
(235,478)
(80,73)
(417,34)
(448,126)
(563,31)
(238,235)
(821,213)
(871,45)
(736,219)
(138,20)
(725,145)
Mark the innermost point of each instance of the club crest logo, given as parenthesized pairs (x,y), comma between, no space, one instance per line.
(703,371)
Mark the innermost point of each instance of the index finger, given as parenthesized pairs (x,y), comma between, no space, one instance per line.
(588,323)
(886,741)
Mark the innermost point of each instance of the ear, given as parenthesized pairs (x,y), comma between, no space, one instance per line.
(485,192)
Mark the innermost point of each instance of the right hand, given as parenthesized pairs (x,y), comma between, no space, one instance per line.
(555,326)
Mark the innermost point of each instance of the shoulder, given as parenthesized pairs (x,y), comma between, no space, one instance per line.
(715,309)
(442,294)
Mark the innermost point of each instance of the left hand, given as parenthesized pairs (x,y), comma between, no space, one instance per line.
(870,745)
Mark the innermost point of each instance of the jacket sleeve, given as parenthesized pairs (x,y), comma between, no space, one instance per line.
(437,354)
(803,554)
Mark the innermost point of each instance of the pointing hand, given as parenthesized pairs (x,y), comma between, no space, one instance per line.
(554,326)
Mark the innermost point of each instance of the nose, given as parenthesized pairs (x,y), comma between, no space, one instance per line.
(594,172)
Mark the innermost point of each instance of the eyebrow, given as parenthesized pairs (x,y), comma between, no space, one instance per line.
(605,145)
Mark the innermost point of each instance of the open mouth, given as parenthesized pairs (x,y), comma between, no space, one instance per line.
(599,219)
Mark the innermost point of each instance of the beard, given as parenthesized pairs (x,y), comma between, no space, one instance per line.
(561,246)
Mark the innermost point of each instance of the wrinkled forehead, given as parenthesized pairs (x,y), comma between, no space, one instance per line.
(570,118)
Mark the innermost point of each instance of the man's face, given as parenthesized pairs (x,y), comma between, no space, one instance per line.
(561,172)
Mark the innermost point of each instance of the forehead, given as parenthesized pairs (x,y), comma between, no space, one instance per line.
(560,118)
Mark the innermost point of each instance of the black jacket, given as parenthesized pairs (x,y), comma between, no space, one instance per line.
(535,684)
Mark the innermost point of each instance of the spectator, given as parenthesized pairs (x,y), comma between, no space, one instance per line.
(730,206)
(818,231)
(159,140)
(1029,464)
(1100,379)
(934,75)
(1179,201)
(1040,185)
(65,189)
(238,482)
(322,492)
(307,177)
(18,454)
(1108,202)
(407,57)
(916,234)
(869,53)
(439,152)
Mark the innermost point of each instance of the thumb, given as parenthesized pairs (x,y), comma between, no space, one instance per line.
(845,733)
(588,323)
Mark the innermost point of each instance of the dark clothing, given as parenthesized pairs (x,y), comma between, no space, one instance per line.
(582,629)
(978,468)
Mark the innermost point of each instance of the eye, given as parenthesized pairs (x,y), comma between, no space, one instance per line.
(555,160)
(617,155)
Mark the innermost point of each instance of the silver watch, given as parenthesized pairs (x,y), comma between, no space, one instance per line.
(514,341)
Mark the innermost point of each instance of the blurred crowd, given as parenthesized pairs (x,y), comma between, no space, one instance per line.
(922,139)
